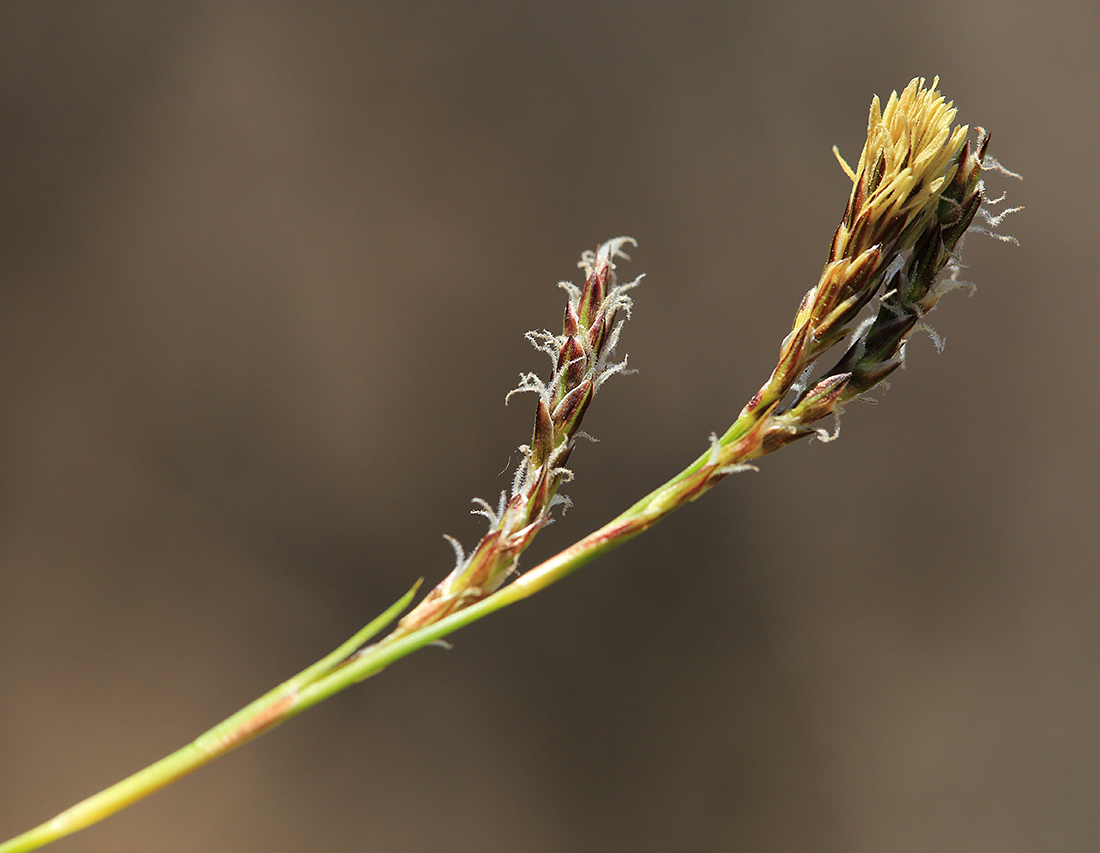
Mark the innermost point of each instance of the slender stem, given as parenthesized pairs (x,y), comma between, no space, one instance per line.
(289,698)
(350,664)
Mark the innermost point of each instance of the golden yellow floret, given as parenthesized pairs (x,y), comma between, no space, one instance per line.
(909,159)
(914,142)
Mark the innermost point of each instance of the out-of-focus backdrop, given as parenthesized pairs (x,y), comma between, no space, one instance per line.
(266,273)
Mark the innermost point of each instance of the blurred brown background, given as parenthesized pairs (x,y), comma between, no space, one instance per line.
(266,273)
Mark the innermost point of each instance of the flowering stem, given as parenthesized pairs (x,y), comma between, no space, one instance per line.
(915,192)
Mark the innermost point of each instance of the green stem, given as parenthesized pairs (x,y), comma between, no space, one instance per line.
(289,698)
(352,663)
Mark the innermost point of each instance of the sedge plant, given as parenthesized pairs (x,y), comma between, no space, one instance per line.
(916,191)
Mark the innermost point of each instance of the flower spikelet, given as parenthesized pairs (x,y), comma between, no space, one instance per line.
(582,361)
(915,191)
(908,159)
